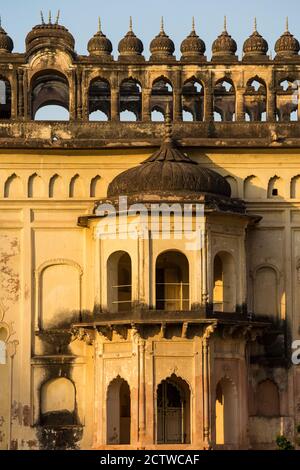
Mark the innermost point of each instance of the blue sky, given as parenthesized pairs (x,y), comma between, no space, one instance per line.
(80,16)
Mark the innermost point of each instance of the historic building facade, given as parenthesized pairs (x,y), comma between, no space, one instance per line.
(142,341)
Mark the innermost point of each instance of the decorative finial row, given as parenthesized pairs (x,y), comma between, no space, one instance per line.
(50,17)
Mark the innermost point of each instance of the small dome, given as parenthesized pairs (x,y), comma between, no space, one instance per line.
(6,43)
(287,45)
(192,46)
(99,44)
(161,46)
(49,35)
(166,172)
(255,44)
(224,45)
(130,45)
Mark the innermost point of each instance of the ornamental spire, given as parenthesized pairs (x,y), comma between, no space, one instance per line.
(130,24)
(57,17)
(42,17)
(193,24)
(99,24)
(225,24)
(287,24)
(255,25)
(162,25)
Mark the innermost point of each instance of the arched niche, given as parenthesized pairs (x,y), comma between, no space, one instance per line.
(173,404)
(118,412)
(267,399)
(233,185)
(76,187)
(266,286)
(224,283)
(58,402)
(172,281)
(13,187)
(226,409)
(58,300)
(119,282)
(253,188)
(276,187)
(56,187)
(36,186)
(295,187)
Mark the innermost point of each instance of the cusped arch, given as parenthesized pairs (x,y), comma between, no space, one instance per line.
(13,187)
(253,188)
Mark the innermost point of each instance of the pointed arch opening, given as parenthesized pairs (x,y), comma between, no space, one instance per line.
(255,99)
(224,99)
(5,98)
(58,402)
(99,100)
(130,100)
(287,96)
(193,100)
(173,411)
(118,412)
(161,98)
(172,281)
(50,96)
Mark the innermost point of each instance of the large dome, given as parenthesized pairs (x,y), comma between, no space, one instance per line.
(168,172)
(130,45)
(49,35)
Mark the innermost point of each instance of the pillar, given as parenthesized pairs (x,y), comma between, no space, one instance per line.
(115,116)
(146,103)
(271,104)
(177,105)
(239,104)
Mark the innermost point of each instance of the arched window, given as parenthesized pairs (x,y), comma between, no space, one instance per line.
(266,292)
(130,100)
(224,286)
(119,282)
(50,96)
(173,411)
(253,188)
(255,99)
(172,281)
(161,98)
(224,99)
(118,412)
(295,187)
(276,187)
(58,405)
(99,100)
(287,95)
(226,413)
(5,99)
(192,101)
(267,399)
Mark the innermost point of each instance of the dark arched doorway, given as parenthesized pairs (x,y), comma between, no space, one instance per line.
(118,408)
(173,411)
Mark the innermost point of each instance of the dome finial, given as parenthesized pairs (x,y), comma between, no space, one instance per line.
(42,17)
(255,25)
(99,24)
(287,24)
(130,23)
(225,24)
(50,17)
(162,25)
(193,24)
(57,17)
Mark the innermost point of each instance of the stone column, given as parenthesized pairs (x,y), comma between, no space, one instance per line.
(206,386)
(72,96)
(239,104)
(115,116)
(146,102)
(20,75)
(208,105)
(271,104)
(79,94)
(142,395)
(84,96)
(177,105)
(14,95)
